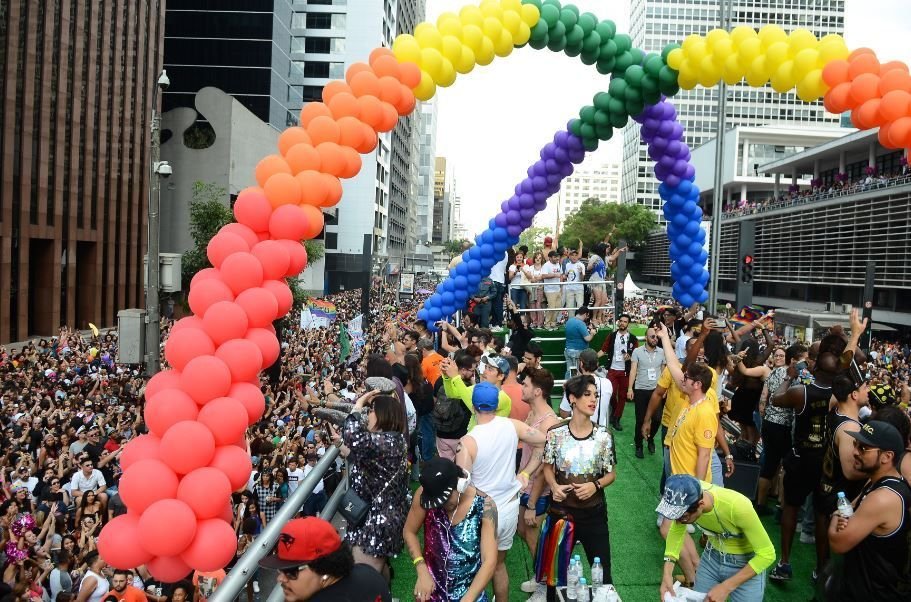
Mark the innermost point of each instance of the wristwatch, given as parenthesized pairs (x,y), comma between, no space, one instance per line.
(729,457)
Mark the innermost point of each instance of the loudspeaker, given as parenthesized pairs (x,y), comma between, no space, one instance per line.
(744,480)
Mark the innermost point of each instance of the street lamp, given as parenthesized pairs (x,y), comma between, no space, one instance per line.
(158,169)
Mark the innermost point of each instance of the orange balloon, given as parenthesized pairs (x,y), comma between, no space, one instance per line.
(894,104)
(343,104)
(377,53)
(282,189)
(390,117)
(352,162)
(838,99)
(895,79)
(269,166)
(315,221)
(863,63)
(859,52)
(356,68)
(312,110)
(365,83)
(323,129)
(900,133)
(867,116)
(351,132)
(332,158)
(892,66)
(292,136)
(371,111)
(864,87)
(314,189)
(334,87)
(370,140)
(835,72)
(407,102)
(334,187)
(410,74)
(386,65)
(302,157)
(883,134)
(390,90)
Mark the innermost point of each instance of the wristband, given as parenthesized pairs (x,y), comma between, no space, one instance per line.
(527,476)
(669,559)
(418,560)
(597,485)
(729,457)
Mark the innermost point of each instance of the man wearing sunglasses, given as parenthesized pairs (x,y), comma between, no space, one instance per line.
(313,563)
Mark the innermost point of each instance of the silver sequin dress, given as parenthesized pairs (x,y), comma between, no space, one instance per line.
(375,460)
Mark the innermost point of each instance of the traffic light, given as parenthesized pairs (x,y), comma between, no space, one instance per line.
(746,269)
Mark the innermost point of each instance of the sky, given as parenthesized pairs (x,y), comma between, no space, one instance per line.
(492,122)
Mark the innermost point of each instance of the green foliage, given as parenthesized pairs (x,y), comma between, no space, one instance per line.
(533,238)
(594,220)
(209,211)
(316,250)
(453,247)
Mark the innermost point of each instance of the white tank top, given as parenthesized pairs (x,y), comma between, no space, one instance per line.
(102,586)
(494,466)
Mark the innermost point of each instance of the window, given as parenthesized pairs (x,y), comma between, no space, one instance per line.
(325,21)
(316,69)
(298,20)
(325,45)
(331,240)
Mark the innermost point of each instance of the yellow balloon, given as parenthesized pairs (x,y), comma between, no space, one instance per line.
(742,33)
(492,28)
(471,15)
(472,36)
(523,35)
(486,53)
(426,89)
(732,72)
(758,72)
(530,14)
(406,49)
(801,39)
(697,51)
(688,72)
(511,22)
(783,77)
(709,72)
(491,8)
(675,58)
(451,48)
(503,46)
(777,54)
(715,36)
(447,74)
(466,62)
(513,5)
(449,24)
(723,49)
(808,87)
(687,83)
(805,61)
(749,49)
(428,36)
(832,48)
(431,62)
(771,34)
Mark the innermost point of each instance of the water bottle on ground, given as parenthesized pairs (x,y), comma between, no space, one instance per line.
(572,581)
(844,505)
(597,575)
(583,594)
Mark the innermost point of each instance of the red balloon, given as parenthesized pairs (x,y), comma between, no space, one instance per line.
(252,397)
(253,209)
(167,527)
(274,258)
(235,463)
(260,306)
(223,244)
(147,482)
(185,344)
(267,343)
(298,257)
(282,293)
(225,320)
(204,274)
(226,418)
(288,223)
(143,447)
(166,379)
(119,543)
(241,271)
(205,378)
(168,408)
(242,357)
(226,514)
(186,446)
(169,569)
(205,490)
(207,293)
(213,547)
(243,231)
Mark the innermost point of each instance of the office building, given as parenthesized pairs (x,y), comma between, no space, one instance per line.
(600,182)
(656,23)
(441,231)
(74,172)
(425,202)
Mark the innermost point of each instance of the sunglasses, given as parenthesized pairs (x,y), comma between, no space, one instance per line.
(291,573)
(864,448)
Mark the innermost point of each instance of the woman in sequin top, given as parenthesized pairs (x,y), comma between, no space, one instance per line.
(460,535)
(374,436)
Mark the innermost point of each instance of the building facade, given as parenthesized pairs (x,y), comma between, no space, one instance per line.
(600,182)
(440,231)
(425,201)
(656,23)
(74,172)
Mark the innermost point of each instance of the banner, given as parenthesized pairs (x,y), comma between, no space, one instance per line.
(355,332)
(406,284)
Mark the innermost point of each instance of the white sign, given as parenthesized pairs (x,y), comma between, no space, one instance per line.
(406,283)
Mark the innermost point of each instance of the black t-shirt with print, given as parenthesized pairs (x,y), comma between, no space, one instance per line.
(364,584)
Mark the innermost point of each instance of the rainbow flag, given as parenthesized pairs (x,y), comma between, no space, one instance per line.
(322,309)
(747,315)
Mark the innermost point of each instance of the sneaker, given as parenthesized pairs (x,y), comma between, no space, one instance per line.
(660,521)
(807,538)
(256,587)
(529,587)
(651,447)
(538,596)
(639,453)
(814,576)
(781,572)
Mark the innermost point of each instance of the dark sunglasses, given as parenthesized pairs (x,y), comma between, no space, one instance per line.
(291,573)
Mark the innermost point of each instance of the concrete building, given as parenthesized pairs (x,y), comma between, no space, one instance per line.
(656,23)
(425,200)
(599,181)
(244,47)
(441,230)
(75,114)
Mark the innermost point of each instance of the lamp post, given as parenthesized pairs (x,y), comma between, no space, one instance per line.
(158,169)
(718,192)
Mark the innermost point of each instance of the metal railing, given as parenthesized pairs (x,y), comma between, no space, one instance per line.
(609,292)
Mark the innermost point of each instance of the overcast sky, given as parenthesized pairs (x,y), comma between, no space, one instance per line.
(493,121)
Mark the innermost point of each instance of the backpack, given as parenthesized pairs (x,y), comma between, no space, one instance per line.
(449,413)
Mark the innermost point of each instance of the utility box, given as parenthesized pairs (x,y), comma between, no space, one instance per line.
(169,272)
(131,334)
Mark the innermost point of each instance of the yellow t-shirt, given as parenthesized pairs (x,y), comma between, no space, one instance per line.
(694,428)
(677,400)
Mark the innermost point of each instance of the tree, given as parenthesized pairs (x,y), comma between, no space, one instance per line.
(594,220)
(453,247)
(209,211)
(533,238)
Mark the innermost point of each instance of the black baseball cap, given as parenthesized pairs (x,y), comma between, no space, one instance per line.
(439,478)
(880,435)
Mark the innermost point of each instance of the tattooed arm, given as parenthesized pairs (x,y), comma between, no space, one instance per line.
(528,434)
(488,551)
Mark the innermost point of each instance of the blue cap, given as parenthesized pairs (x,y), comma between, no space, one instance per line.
(497,361)
(680,492)
(485,397)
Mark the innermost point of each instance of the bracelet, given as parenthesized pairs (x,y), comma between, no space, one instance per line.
(669,559)
(729,457)
(527,476)
(418,560)
(597,485)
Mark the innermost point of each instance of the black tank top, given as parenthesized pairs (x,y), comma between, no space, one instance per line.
(833,477)
(879,567)
(810,422)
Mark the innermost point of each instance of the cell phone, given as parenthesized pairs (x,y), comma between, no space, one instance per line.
(718,323)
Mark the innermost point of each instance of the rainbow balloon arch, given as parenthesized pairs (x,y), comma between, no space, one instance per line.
(177,479)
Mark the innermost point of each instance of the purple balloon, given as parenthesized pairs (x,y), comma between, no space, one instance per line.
(527,213)
(575,143)
(512,218)
(539,183)
(552,166)
(530,172)
(560,155)
(679,168)
(554,178)
(577,155)
(527,186)
(540,168)
(514,230)
(661,172)
(526,200)
(673,148)
(548,151)
(560,138)
(553,188)
(672,180)
(567,170)
(501,220)
(678,131)
(690,173)
(526,223)
(541,205)
(660,143)
(666,161)
(540,195)
(653,153)
(514,204)
(666,128)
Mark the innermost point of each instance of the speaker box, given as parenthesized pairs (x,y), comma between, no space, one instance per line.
(745,479)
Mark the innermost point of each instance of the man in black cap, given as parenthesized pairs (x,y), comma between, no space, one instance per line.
(874,540)
(460,534)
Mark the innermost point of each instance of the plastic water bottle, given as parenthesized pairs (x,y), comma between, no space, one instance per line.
(597,575)
(572,581)
(844,505)
(583,594)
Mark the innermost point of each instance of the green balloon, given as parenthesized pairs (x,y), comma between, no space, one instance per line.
(607,29)
(575,35)
(550,14)
(539,31)
(568,17)
(624,43)
(588,130)
(573,9)
(539,43)
(670,89)
(601,118)
(575,127)
(633,75)
(554,3)
(557,44)
(605,132)
(624,61)
(619,120)
(602,101)
(634,108)
(592,42)
(535,3)
(590,144)
(651,97)
(608,49)
(616,108)
(667,50)
(649,85)
(632,94)
(653,64)
(587,114)
(617,87)
(558,30)
(587,22)
(605,64)
(573,51)
(589,58)
(667,77)
(638,56)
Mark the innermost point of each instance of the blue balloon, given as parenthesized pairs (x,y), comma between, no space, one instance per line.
(695,247)
(461,295)
(692,229)
(699,237)
(696,290)
(499,234)
(683,241)
(680,221)
(677,270)
(448,310)
(422,314)
(673,251)
(487,248)
(703,297)
(474,268)
(486,238)
(500,246)
(446,285)
(474,252)
(434,315)
(685,299)
(703,278)
(474,279)
(459,283)
(492,223)
(461,269)
(447,298)
(685,262)
(686,281)
(488,262)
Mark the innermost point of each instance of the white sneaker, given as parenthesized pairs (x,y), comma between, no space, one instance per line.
(538,596)
(256,587)
(529,587)
(807,538)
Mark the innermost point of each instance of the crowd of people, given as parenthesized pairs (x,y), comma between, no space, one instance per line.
(466,412)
